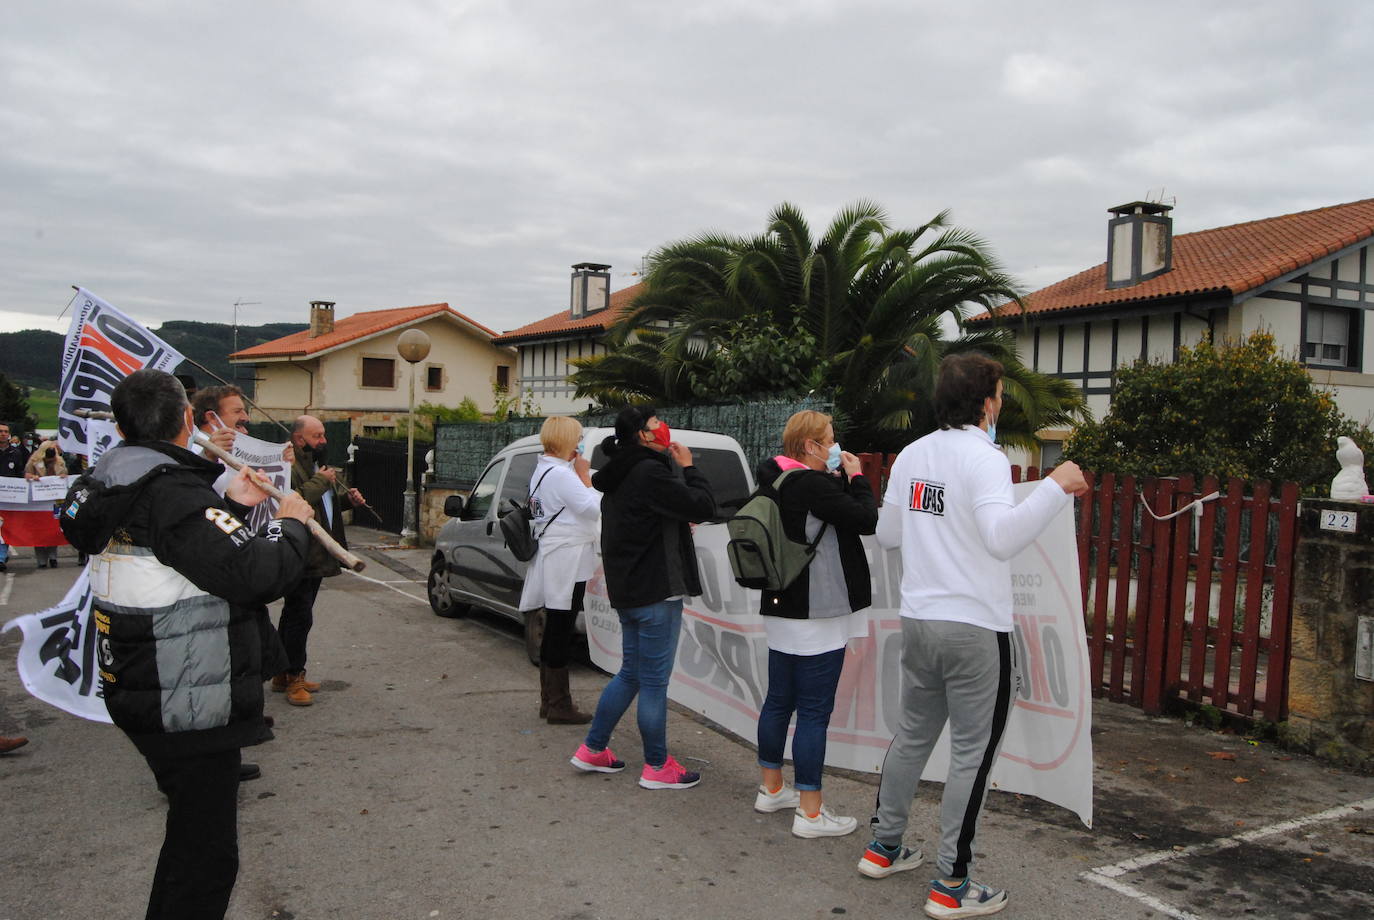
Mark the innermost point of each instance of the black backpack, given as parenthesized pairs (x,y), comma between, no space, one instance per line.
(517,525)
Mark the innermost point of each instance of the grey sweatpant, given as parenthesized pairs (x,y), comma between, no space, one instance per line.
(965,675)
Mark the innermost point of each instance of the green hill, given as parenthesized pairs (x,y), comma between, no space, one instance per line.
(34,357)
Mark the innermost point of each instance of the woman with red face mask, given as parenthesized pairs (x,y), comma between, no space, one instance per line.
(651,493)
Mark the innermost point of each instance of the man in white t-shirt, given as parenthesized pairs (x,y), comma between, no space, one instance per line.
(949,508)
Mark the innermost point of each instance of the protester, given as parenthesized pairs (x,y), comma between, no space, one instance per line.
(322,486)
(949,508)
(46,461)
(12,459)
(809,623)
(566,510)
(178,584)
(651,492)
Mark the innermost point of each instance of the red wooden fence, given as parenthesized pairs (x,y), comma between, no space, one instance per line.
(1193,609)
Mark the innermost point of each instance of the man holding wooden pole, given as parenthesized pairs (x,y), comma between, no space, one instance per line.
(179,585)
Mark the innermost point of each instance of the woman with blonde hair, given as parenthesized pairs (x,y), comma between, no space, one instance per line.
(566,511)
(825,501)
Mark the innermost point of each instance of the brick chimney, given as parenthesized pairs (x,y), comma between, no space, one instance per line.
(1140,243)
(321,317)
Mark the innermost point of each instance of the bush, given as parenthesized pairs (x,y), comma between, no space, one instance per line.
(1232,410)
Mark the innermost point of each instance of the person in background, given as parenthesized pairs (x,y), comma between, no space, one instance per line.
(12,460)
(46,461)
(565,510)
(323,487)
(809,623)
(949,509)
(651,494)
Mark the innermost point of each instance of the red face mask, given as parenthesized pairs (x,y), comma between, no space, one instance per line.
(663,434)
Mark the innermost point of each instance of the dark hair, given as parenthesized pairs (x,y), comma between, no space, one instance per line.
(965,381)
(148,406)
(207,400)
(628,424)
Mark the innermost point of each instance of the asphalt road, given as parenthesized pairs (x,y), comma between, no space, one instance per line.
(421,785)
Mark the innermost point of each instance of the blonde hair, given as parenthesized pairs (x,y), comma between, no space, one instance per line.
(559,434)
(803,426)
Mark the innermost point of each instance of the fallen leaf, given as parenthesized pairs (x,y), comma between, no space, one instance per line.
(1221,755)
(1356,829)
(363,812)
(1240,779)
(1240,824)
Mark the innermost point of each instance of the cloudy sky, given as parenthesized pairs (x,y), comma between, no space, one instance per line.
(176,156)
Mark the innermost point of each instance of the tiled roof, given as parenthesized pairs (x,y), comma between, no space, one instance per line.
(1227,260)
(351,329)
(562,323)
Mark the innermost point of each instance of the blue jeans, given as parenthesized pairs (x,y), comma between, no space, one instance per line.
(806,684)
(4,553)
(648,642)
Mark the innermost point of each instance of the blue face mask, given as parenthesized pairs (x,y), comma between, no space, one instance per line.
(832,459)
(582,448)
(992,430)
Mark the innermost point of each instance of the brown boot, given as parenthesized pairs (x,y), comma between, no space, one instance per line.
(283,680)
(543,691)
(296,694)
(562,710)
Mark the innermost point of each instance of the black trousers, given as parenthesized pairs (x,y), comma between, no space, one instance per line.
(297,616)
(556,647)
(200,852)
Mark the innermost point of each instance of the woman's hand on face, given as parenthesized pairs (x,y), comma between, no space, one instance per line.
(581,465)
(850,463)
(680,453)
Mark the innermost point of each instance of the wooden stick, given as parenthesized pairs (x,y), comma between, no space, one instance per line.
(316,530)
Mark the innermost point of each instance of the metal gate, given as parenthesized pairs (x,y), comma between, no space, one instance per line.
(379,472)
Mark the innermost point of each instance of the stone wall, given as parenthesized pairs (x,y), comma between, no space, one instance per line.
(432,517)
(1330,711)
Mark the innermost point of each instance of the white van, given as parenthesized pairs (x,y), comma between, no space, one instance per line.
(471,564)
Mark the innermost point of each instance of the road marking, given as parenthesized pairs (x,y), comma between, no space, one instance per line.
(387,584)
(5,591)
(1107,876)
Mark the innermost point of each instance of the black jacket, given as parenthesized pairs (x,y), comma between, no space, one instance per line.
(646,540)
(12,460)
(312,486)
(850,510)
(179,587)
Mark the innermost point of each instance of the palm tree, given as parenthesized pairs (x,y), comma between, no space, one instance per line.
(856,314)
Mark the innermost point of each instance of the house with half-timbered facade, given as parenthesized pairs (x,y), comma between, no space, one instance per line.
(546,347)
(1308,278)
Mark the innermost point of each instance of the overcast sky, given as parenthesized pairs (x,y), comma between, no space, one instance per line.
(177,156)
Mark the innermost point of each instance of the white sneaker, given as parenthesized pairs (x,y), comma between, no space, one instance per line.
(769,802)
(825,824)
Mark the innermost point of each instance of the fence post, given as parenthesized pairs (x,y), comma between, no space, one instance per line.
(1156,636)
(1280,625)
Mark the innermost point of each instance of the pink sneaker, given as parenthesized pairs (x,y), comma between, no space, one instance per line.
(672,775)
(596,761)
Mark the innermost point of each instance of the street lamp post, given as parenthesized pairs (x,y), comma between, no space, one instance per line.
(413,346)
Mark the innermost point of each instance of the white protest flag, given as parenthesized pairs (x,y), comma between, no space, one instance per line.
(58,660)
(103,347)
(266,458)
(721,669)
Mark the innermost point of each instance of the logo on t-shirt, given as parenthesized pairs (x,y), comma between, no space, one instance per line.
(927,496)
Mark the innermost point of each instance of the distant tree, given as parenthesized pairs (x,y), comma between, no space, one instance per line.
(855,316)
(14,408)
(1238,409)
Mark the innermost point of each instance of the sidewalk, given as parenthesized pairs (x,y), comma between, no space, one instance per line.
(1188,822)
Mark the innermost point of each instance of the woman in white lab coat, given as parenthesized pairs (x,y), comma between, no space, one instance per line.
(567,513)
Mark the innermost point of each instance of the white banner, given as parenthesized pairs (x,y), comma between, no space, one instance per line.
(58,658)
(50,488)
(101,435)
(722,666)
(267,458)
(14,492)
(103,347)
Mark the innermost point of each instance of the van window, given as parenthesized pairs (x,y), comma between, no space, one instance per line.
(722,468)
(479,503)
(517,484)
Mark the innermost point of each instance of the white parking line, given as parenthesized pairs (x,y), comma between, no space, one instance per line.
(1107,876)
(5,591)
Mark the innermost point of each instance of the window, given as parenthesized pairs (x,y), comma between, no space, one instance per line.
(1332,337)
(434,377)
(517,484)
(379,372)
(502,377)
(479,502)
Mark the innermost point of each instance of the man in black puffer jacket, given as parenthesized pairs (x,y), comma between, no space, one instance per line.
(179,585)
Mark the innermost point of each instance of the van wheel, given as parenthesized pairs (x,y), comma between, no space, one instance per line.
(534,634)
(441,597)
